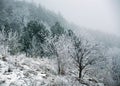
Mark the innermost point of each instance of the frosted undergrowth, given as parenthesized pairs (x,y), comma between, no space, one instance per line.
(23,71)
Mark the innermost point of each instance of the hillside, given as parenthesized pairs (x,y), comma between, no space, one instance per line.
(110,40)
(41,48)
(20,70)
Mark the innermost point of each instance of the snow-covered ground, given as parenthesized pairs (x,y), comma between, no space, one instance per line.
(24,71)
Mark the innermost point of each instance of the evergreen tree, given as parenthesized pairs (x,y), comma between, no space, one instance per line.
(57,30)
(33,30)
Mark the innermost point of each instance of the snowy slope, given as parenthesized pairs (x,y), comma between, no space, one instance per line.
(23,71)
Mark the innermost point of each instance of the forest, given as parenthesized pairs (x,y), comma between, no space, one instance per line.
(41,48)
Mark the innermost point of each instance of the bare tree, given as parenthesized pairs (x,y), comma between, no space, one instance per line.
(84,53)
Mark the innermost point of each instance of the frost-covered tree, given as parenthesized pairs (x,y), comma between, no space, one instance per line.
(9,43)
(57,30)
(59,49)
(84,53)
(13,43)
(116,70)
(34,30)
(114,66)
(3,43)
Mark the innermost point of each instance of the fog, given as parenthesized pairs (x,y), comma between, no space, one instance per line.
(100,15)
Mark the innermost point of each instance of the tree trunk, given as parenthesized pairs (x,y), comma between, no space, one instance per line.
(80,70)
(80,73)
(59,65)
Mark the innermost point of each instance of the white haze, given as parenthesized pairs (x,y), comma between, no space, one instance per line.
(94,14)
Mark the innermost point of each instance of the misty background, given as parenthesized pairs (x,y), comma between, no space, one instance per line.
(102,15)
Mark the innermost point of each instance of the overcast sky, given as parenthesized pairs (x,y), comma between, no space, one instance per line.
(94,14)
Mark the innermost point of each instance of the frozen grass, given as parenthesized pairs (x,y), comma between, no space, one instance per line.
(23,71)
